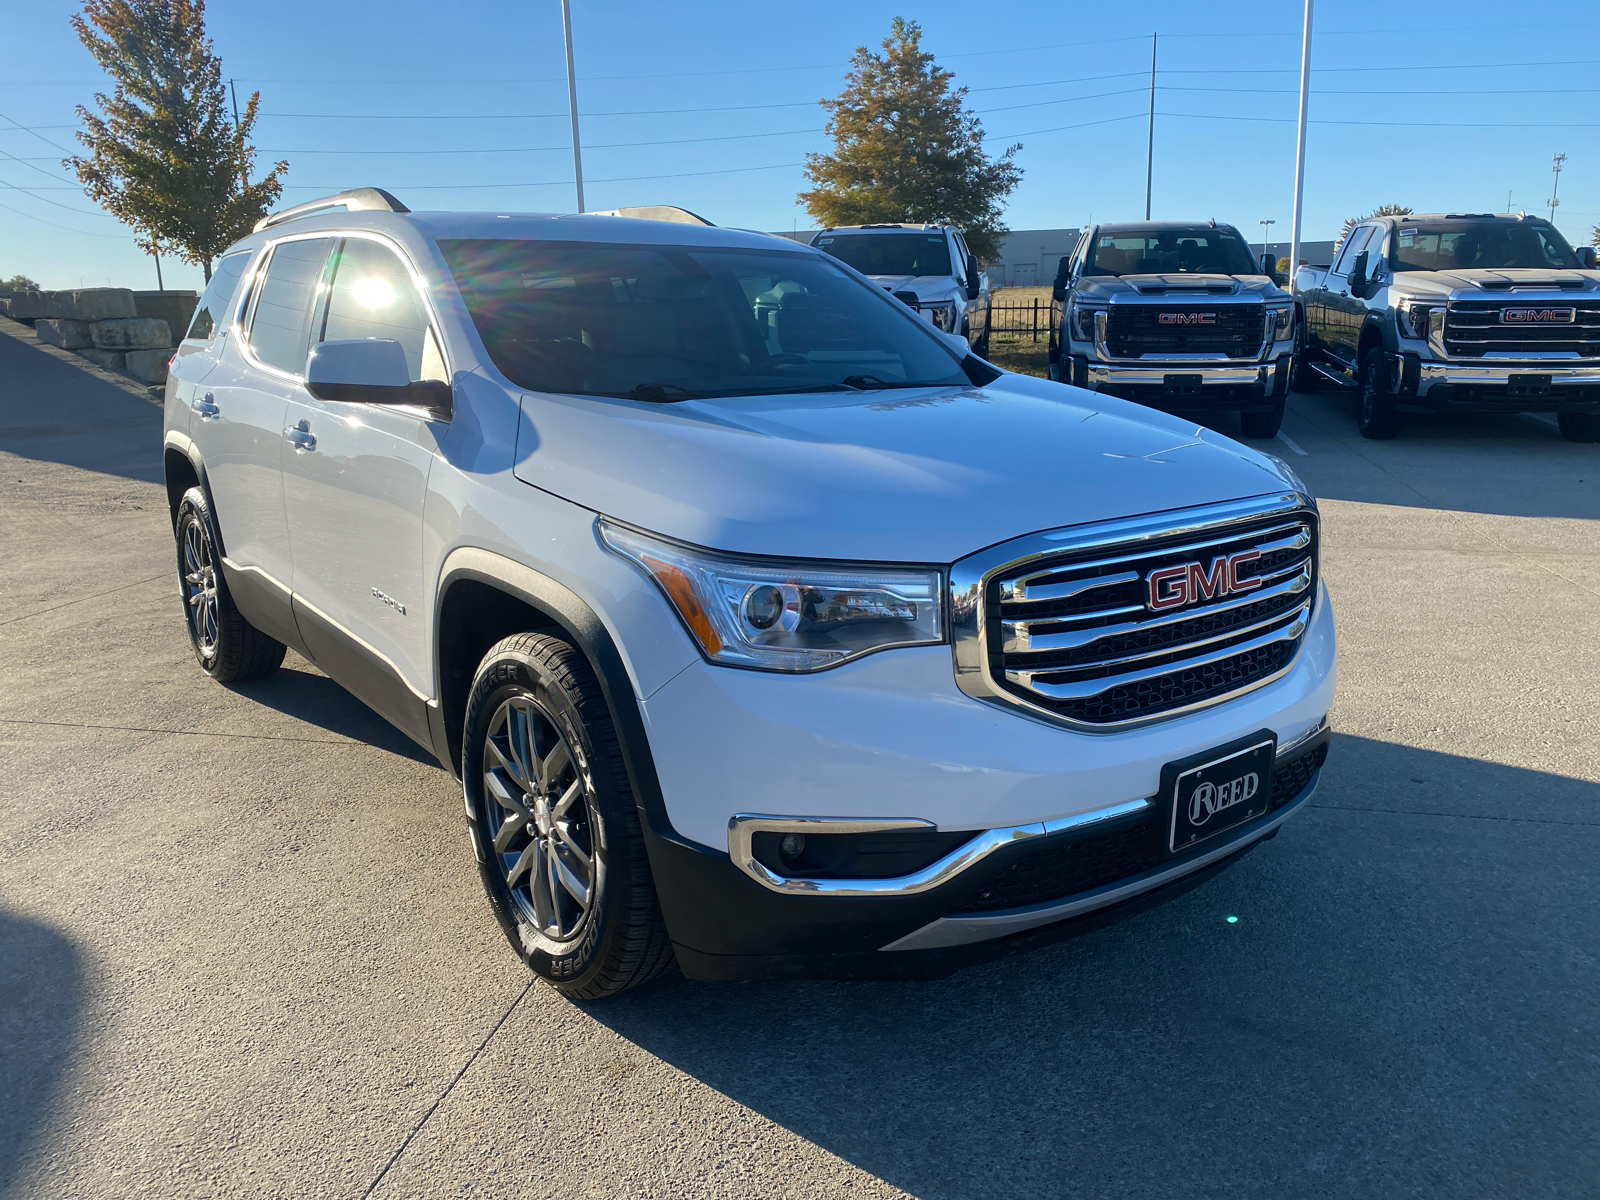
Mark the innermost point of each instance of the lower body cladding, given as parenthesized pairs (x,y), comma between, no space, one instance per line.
(1551,385)
(1176,386)
(963,827)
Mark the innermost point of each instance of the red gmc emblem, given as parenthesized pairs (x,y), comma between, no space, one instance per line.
(1190,583)
(1537,316)
(1200,318)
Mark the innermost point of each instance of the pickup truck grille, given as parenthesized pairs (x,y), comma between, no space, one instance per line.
(1175,327)
(1473,328)
(1075,636)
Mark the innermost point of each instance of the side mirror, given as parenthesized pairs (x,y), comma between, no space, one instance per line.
(974,280)
(1586,257)
(1269,265)
(371,371)
(1358,274)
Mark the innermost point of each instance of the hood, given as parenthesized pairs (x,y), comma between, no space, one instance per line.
(929,475)
(1496,282)
(925,286)
(1157,288)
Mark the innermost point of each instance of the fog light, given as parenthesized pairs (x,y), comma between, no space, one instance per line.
(793,845)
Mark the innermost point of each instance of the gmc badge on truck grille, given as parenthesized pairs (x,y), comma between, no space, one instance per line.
(1188,318)
(1538,316)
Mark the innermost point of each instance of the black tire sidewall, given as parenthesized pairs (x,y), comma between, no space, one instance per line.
(193,508)
(1376,416)
(505,673)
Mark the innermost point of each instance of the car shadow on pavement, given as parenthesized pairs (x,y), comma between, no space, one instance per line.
(300,691)
(1399,995)
(41,1001)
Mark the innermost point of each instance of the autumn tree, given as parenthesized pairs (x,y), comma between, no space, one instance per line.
(907,150)
(1383,210)
(165,156)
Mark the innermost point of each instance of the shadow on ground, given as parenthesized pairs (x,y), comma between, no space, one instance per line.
(307,695)
(1395,1012)
(41,1002)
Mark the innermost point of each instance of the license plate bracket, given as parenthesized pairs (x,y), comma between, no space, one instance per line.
(1182,385)
(1528,385)
(1217,790)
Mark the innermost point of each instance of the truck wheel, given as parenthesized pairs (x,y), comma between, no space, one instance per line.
(1301,377)
(553,822)
(1579,427)
(1264,424)
(1377,417)
(981,346)
(228,648)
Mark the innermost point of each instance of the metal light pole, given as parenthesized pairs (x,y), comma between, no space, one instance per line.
(572,99)
(1150,146)
(1300,153)
(244,172)
(1555,165)
(1266,233)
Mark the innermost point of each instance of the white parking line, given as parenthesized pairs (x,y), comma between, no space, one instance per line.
(1545,417)
(1292,444)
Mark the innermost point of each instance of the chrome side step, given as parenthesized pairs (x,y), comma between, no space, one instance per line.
(1338,377)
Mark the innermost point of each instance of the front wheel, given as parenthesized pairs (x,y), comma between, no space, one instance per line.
(1579,427)
(553,822)
(1301,376)
(228,647)
(1377,417)
(1263,424)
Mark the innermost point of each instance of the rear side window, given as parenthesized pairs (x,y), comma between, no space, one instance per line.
(213,309)
(372,296)
(280,329)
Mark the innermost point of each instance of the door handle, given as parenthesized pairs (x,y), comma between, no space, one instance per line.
(207,408)
(301,437)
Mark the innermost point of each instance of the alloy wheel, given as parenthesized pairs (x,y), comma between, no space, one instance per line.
(200,586)
(538,796)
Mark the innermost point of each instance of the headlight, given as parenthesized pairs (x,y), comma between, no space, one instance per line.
(1413,319)
(1282,323)
(1292,478)
(780,616)
(943,316)
(1083,324)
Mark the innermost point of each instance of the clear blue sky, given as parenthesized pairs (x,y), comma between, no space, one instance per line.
(464,106)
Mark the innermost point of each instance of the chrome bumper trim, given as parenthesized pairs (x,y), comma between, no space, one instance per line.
(1501,372)
(743,827)
(963,930)
(1156,376)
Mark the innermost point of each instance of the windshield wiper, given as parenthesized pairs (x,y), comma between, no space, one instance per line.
(871,383)
(663,393)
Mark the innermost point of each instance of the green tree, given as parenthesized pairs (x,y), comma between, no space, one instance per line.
(18,283)
(1596,239)
(1383,210)
(906,149)
(165,157)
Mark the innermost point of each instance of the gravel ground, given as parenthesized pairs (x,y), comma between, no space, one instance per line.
(245,952)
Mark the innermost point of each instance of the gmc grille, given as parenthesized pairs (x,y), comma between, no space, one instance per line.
(1073,635)
(1135,329)
(1473,328)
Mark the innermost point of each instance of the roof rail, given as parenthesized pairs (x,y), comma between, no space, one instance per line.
(657,212)
(355,200)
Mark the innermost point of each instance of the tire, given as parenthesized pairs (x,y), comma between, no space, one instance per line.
(1376,415)
(1301,377)
(553,822)
(981,346)
(228,648)
(1263,424)
(1579,427)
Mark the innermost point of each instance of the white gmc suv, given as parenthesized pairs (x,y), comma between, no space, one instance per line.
(768,631)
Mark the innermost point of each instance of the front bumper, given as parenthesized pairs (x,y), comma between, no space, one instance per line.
(1501,386)
(1176,384)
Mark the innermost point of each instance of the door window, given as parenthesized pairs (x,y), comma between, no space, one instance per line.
(280,329)
(1353,245)
(372,296)
(211,313)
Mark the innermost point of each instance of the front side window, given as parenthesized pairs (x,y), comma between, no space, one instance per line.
(1481,245)
(372,296)
(211,313)
(1353,245)
(280,329)
(670,323)
(1202,250)
(910,253)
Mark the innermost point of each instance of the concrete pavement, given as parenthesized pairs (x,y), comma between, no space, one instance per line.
(245,952)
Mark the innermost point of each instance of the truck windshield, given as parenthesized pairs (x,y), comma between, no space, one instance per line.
(910,253)
(1480,245)
(667,323)
(1198,251)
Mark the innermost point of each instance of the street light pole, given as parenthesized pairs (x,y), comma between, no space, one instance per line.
(1555,165)
(1300,152)
(1150,145)
(572,99)
(1266,232)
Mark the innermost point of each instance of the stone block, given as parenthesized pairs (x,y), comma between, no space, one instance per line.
(132,333)
(98,304)
(29,306)
(69,335)
(147,366)
(111,360)
(175,308)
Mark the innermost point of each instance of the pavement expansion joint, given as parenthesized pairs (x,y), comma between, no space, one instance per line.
(1419,812)
(211,733)
(81,599)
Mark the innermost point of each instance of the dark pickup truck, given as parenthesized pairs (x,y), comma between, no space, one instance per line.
(1177,316)
(1455,312)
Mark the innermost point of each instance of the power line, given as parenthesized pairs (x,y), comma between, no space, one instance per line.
(451,187)
(1391,124)
(68,228)
(87,212)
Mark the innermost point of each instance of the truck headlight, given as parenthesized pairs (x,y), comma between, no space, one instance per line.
(943,316)
(786,616)
(1282,323)
(1413,319)
(1083,324)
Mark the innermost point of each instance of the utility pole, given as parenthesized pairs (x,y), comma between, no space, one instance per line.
(1555,165)
(1150,145)
(244,173)
(1266,233)
(1300,153)
(572,99)
(156,254)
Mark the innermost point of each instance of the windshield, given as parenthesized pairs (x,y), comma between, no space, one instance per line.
(1198,251)
(671,323)
(911,253)
(1483,245)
